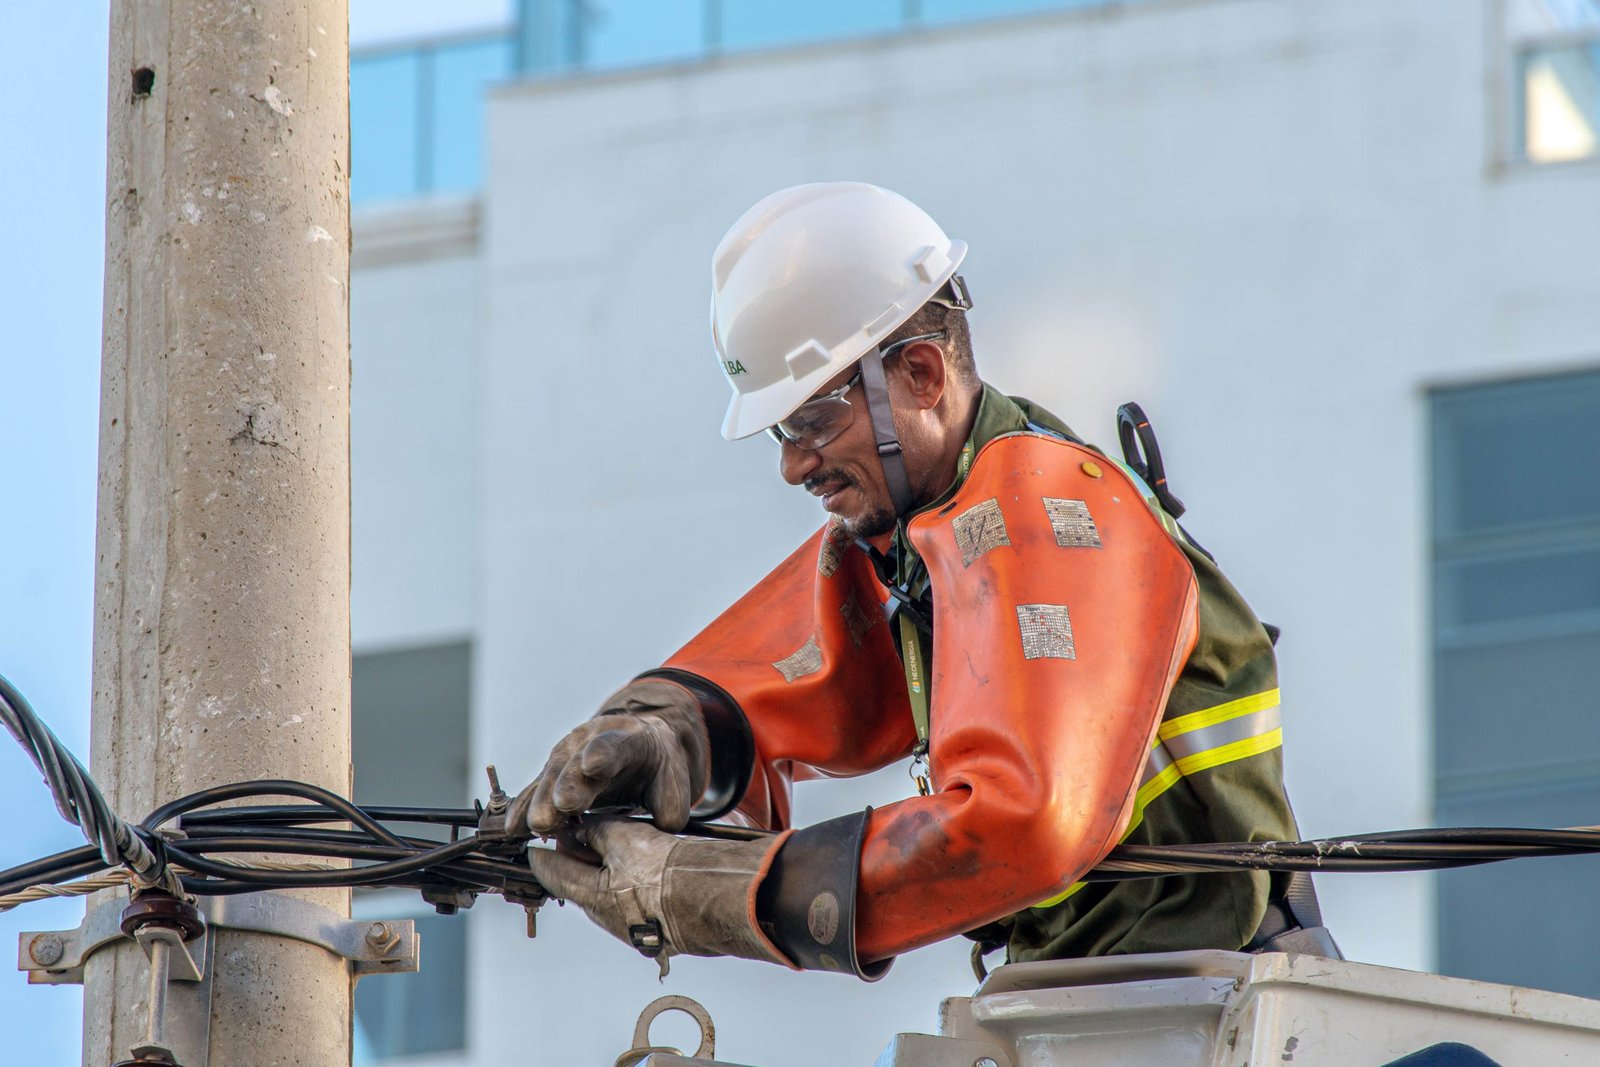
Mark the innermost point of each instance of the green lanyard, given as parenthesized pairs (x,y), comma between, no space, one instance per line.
(917,688)
(911,655)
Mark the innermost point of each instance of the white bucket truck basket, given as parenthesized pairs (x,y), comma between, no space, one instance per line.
(1229,1009)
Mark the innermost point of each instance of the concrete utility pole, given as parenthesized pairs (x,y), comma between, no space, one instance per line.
(222,625)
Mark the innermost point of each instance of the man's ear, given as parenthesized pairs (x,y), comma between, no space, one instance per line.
(925,373)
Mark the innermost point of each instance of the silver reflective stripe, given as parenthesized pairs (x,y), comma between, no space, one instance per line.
(1158,762)
(1241,729)
(1224,733)
(1192,743)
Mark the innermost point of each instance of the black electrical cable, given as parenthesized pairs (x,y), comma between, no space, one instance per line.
(369,875)
(291,814)
(389,858)
(1584,838)
(42,870)
(64,873)
(346,845)
(265,788)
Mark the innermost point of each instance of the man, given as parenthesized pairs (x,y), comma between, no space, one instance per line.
(990,597)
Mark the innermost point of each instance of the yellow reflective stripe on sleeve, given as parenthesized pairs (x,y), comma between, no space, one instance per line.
(1053,901)
(1199,720)
(1264,733)
(1238,750)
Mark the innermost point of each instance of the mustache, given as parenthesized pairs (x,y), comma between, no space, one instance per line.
(831,477)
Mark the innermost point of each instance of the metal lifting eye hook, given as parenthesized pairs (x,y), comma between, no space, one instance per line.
(641,1032)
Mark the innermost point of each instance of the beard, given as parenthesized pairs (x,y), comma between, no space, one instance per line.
(873,522)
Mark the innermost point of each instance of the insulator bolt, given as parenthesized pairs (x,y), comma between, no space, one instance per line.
(46,949)
(382,937)
(986,1062)
(499,799)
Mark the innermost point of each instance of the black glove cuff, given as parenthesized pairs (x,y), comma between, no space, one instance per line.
(807,902)
(733,747)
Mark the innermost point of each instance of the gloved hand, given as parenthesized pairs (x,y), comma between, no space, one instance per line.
(646,747)
(699,893)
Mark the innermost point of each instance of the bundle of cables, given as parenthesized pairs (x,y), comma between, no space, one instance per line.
(178,845)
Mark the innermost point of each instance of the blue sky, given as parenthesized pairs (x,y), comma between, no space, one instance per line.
(52,225)
(52,231)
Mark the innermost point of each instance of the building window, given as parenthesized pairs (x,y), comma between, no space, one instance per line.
(1516,626)
(1555,79)
(409,726)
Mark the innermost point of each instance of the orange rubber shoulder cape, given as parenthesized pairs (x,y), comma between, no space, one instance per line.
(808,659)
(1063,613)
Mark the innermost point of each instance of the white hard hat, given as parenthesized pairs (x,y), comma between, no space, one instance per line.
(807,282)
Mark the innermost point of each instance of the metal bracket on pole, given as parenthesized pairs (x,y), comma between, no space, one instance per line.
(390,946)
(56,957)
(182,965)
(178,1031)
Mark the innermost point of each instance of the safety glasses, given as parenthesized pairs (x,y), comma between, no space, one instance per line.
(823,418)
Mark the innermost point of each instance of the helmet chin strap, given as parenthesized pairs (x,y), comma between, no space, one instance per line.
(879,410)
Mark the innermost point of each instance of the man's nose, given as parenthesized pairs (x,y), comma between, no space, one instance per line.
(796,464)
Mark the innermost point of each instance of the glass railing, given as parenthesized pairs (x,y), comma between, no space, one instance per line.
(417,111)
(416,116)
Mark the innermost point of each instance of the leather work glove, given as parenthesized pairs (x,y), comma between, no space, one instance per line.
(664,895)
(645,748)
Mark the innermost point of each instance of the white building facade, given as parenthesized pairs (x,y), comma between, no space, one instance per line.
(1343,254)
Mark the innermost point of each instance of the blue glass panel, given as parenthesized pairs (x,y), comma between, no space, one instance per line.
(1517,631)
(936,11)
(1559,15)
(549,40)
(1515,456)
(622,33)
(1515,706)
(1514,587)
(384,143)
(409,708)
(460,77)
(1531,922)
(761,23)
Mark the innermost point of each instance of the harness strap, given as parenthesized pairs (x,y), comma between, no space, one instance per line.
(879,411)
(1293,922)
(1301,897)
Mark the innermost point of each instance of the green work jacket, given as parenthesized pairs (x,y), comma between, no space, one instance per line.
(1215,773)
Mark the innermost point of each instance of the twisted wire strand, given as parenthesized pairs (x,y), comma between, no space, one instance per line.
(77,798)
(122,876)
